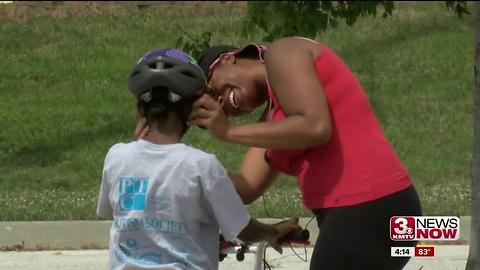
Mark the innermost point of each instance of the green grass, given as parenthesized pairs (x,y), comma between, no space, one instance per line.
(64,101)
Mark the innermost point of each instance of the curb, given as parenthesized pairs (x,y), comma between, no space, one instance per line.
(51,235)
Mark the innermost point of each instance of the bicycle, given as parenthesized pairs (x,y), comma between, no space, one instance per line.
(299,236)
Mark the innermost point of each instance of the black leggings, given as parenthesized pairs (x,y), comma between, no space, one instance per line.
(358,237)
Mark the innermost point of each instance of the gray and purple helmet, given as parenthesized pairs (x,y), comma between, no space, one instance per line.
(169,69)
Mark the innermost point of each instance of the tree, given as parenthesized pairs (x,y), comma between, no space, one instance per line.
(473,262)
(301,18)
(308,18)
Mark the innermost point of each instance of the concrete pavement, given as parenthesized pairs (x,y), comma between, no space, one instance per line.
(88,239)
(447,257)
(34,235)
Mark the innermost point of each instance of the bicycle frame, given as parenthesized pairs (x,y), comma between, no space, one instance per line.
(232,247)
(240,250)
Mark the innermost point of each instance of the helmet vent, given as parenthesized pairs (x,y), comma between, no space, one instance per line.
(160,65)
(187,73)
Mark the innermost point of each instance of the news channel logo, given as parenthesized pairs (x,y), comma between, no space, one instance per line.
(425,228)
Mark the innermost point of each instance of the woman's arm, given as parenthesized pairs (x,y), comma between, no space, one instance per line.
(254,177)
(291,73)
(256,231)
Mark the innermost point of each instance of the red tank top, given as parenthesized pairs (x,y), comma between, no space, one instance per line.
(357,164)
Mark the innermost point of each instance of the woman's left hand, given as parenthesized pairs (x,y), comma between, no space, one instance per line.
(209,114)
(141,130)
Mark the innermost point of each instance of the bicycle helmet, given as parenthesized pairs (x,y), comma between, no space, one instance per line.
(166,69)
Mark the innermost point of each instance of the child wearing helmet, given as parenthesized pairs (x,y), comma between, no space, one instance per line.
(168,200)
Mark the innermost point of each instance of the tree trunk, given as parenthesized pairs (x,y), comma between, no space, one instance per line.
(473,262)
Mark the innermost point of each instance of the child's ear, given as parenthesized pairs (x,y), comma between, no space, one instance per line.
(140,109)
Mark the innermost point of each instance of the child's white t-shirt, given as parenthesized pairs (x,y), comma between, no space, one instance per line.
(169,203)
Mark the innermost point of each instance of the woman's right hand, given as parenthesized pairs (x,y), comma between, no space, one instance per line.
(209,114)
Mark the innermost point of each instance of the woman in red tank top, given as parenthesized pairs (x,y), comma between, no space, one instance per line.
(318,126)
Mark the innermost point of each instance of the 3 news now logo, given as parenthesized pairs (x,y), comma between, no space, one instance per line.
(408,228)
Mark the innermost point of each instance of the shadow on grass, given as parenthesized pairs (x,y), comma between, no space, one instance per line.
(369,49)
(404,31)
(44,153)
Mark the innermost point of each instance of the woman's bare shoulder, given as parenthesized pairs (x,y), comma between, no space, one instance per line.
(285,45)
